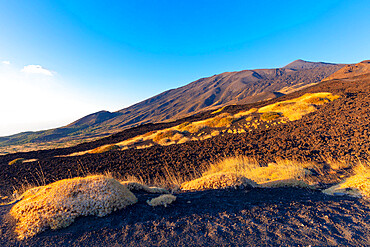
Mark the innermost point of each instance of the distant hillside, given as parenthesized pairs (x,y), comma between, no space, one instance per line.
(228,88)
(351,70)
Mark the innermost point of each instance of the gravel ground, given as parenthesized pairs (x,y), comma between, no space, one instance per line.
(259,217)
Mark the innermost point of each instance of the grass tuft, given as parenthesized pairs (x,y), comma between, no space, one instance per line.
(356,185)
(296,108)
(57,205)
(104,149)
(218,181)
(16,161)
(268,116)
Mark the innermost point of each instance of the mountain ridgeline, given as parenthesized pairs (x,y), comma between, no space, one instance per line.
(247,86)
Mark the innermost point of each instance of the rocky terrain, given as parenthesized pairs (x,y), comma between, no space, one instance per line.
(337,130)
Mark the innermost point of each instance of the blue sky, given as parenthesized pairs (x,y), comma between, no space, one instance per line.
(95,55)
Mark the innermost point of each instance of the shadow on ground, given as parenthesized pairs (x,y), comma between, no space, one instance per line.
(259,217)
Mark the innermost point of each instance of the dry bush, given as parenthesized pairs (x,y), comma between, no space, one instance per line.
(167,134)
(319,98)
(296,108)
(57,205)
(356,185)
(194,127)
(249,168)
(245,113)
(336,164)
(243,171)
(183,140)
(162,200)
(268,116)
(104,149)
(215,133)
(218,181)
(16,161)
(222,120)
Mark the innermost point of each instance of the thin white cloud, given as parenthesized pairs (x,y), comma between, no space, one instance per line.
(6,62)
(36,69)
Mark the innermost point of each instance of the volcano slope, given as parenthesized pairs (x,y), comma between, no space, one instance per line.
(228,88)
(257,217)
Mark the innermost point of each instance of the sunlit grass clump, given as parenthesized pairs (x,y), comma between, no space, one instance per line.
(58,204)
(268,116)
(104,149)
(357,185)
(218,181)
(16,161)
(222,120)
(249,168)
(296,108)
(242,171)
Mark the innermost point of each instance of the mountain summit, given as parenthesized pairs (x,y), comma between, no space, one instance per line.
(301,64)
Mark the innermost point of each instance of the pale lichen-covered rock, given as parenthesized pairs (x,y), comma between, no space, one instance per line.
(218,181)
(162,200)
(58,204)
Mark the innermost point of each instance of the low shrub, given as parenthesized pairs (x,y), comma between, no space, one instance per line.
(356,185)
(58,204)
(165,134)
(296,108)
(104,149)
(218,181)
(268,116)
(222,120)
(249,168)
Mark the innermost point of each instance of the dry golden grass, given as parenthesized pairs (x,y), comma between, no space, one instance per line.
(356,185)
(16,161)
(162,200)
(167,134)
(218,110)
(222,120)
(249,168)
(104,149)
(296,108)
(242,171)
(57,205)
(218,181)
(268,116)
(245,113)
